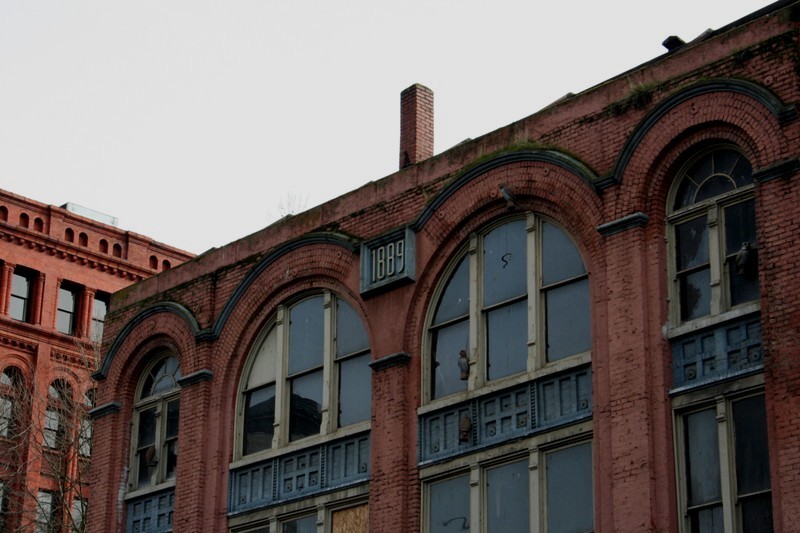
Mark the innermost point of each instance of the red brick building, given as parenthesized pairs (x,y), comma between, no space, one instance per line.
(584,321)
(60,266)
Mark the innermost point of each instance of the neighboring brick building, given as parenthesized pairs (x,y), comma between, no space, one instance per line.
(586,320)
(59,268)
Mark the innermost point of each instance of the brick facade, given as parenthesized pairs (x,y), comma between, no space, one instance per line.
(57,247)
(602,167)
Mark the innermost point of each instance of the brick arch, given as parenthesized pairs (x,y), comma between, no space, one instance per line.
(166,324)
(333,269)
(734,111)
(300,271)
(268,261)
(543,187)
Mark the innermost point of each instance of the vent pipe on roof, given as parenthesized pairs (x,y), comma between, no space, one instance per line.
(416,125)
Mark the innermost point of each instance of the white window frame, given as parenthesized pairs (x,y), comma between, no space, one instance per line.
(720,397)
(329,426)
(533,449)
(537,364)
(721,309)
(160,402)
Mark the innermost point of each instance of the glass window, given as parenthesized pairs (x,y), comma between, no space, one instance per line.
(558,493)
(67,312)
(319,340)
(714,235)
(56,422)
(99,310)
(78,515)
(157,411)
(10,381)
(21,294)
(704,459)
(306,524)
(532,307)
(45,512)
(568,473)
(448,502)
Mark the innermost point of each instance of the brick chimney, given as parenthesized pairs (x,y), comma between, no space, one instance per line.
(416,125)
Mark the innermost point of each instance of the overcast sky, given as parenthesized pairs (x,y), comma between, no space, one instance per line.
(199,122)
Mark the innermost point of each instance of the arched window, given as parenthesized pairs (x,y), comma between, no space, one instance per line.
(103,246)
(83,239)
(10,383)
(153,262)
(516,300)
(24,220)
(117,250)
(57,413)
(69,235)
(155,433)
(38,224)
(713,231)
(322,344)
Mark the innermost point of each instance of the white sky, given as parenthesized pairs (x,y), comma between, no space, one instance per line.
(197,122)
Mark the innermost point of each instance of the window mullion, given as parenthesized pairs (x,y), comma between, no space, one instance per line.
(535,502)
(280,437)
(715,266)
(477,498)
(725,459)
(533,267)
(477,373)
(327,365)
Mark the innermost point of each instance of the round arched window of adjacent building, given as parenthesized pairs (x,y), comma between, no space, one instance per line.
(713,233)
(515,300)
(10,383)
(155,433)
(308,375)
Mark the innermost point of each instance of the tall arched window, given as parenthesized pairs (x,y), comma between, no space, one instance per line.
(309,374)
(10,383)
(516,300)
(155,434)
(59,410)
(713,230)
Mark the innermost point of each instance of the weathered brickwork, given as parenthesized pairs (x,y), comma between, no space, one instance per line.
(55,247)
(602,166)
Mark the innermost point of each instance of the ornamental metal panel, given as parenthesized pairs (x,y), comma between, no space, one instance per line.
(151,513)
(717,353)
(505,415)
(299,474)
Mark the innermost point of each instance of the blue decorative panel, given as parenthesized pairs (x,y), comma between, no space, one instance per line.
(348,461)
(505,415)
(306,472)
(151,513)
(717,353)
(564,398)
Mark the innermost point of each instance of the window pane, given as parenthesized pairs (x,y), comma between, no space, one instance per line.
(449,505)
(99,311)
(507,340)
(714,186)
(307,524)
(305,406)
(447,345)
(51,426)
(162,378)
(306,335)
(263,369)
(504,263)
(455,298)
(744,285)
(507,498)
(750,436)
(66,311)
(172,459)
(570,504)
(702,457)
(692,243)
(20,295)
(6,416)
(351,336)
(695,291)
(560,256)
(259,419)
(707,520)
(567,312)
(173,412)
(740,226)
(355,390)
(757,513)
